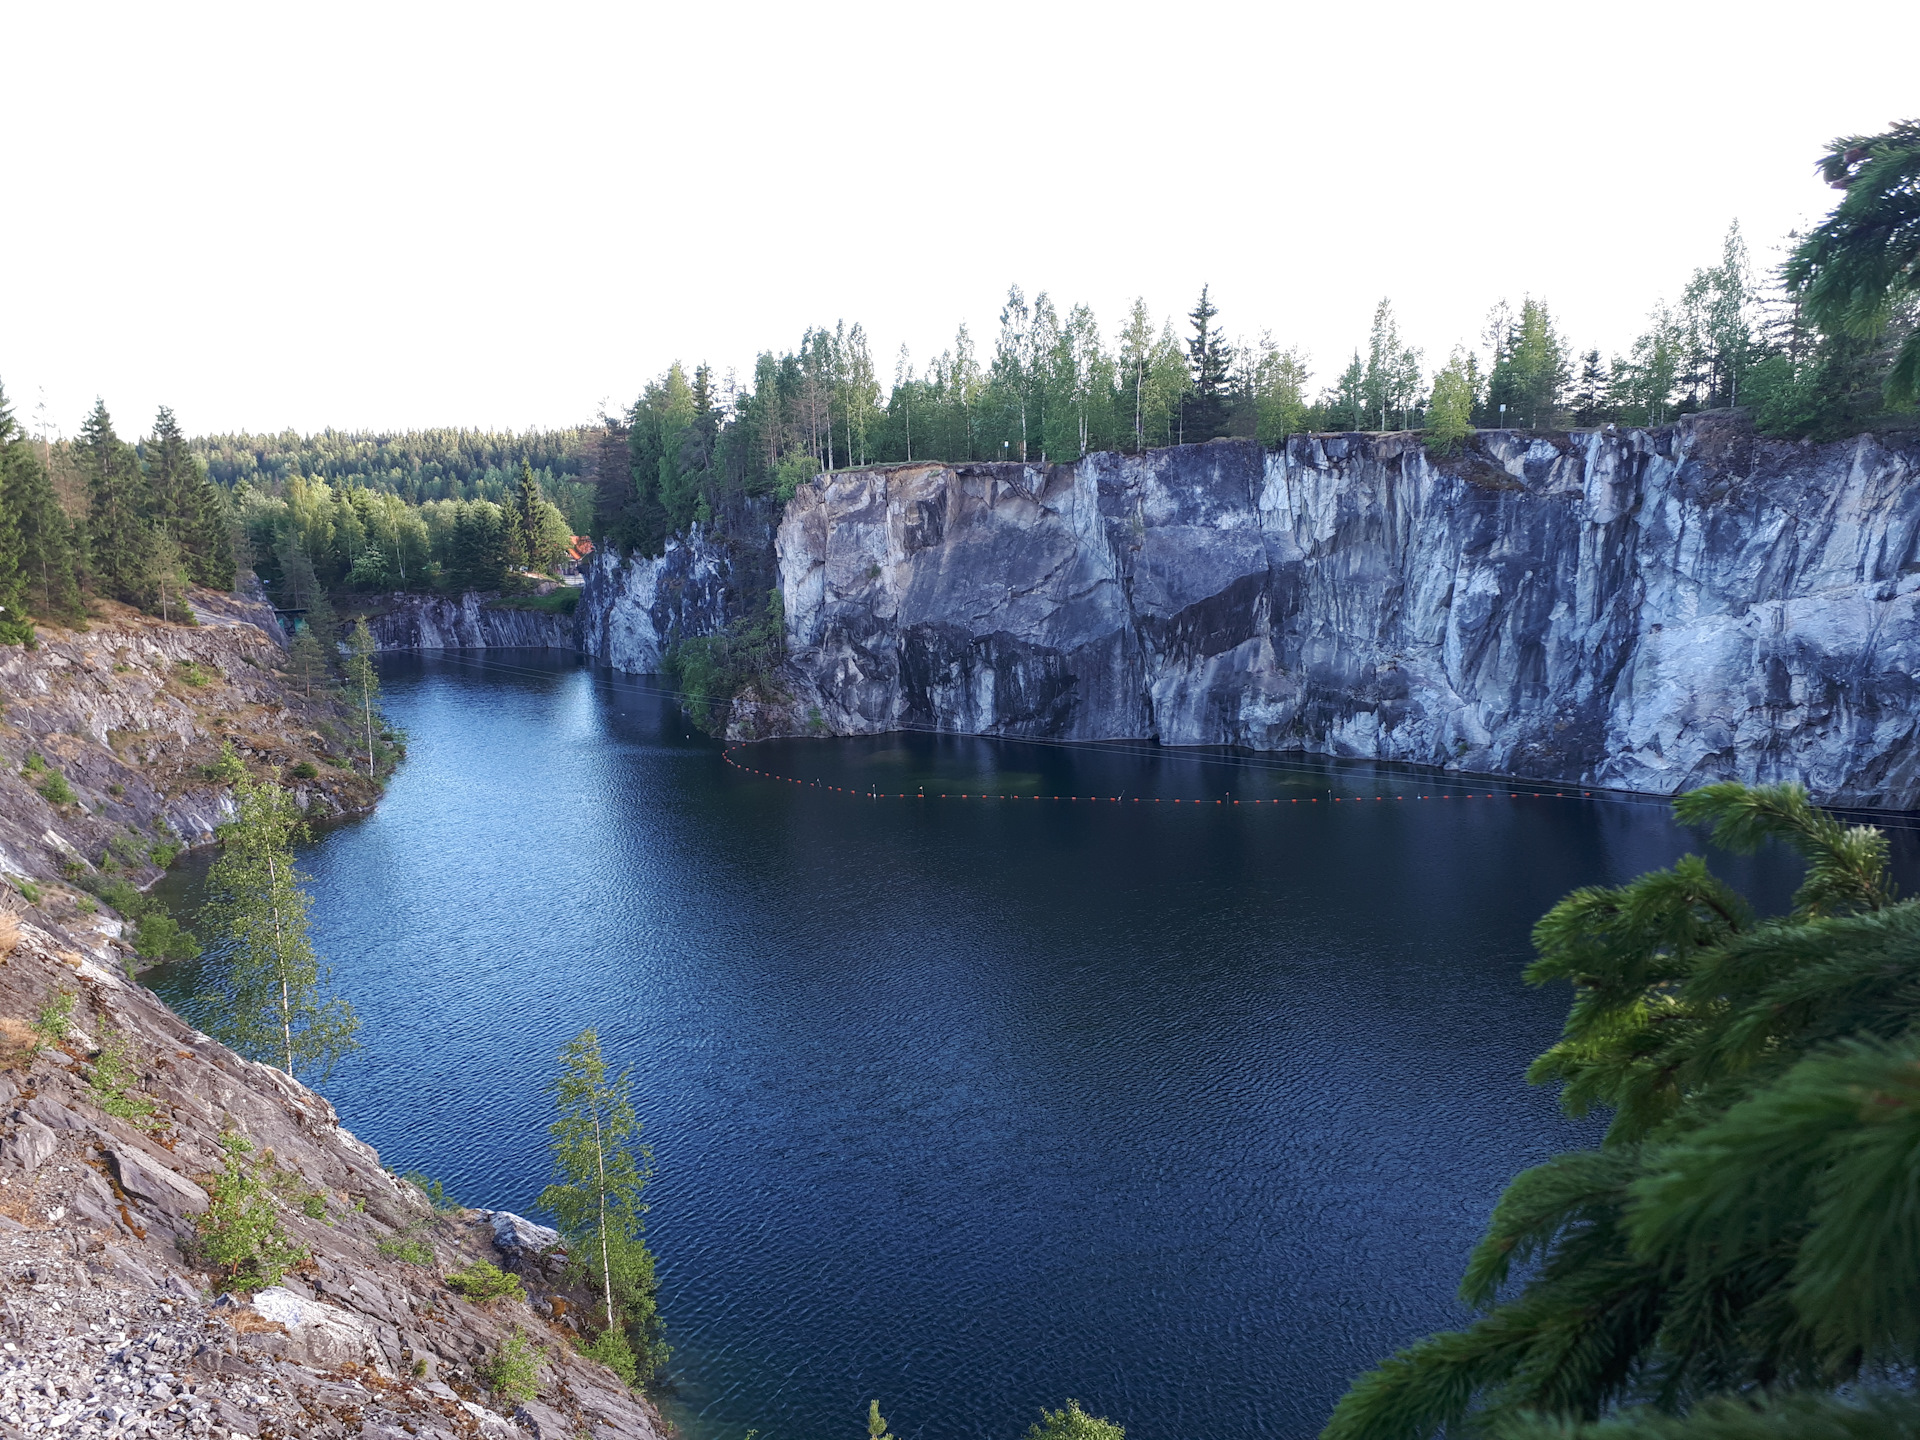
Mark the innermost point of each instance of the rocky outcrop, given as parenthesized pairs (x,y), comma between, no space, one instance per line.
(634,609)
(116,1325)
(1649,610)
(471,622)
(131,715)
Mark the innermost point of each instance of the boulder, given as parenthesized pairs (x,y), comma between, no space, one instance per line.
(154,1185)
(543,1422)
(327,1336)
(29,1145)
(524,1244)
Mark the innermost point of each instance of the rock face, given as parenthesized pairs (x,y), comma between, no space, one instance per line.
(116,1324)
(473,622)
(1648,610)
(634,609)
(132,712)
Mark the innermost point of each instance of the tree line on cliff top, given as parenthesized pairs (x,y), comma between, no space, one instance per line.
(1822,346)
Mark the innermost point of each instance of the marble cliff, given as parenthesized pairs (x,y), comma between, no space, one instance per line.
(1642,609)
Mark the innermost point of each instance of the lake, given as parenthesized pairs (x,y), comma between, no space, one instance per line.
(1189,1111)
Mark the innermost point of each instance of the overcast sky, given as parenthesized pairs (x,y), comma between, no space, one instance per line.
(393,216)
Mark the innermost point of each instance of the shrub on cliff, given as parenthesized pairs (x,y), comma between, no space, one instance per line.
(1746,1226)
(239,1233)
(513,1371)
(483,1281)
(713,671)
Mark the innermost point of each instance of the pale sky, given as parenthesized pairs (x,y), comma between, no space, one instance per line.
(395,216)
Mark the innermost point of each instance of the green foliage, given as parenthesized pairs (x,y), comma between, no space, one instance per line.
(188,512)
(713,671)
(55,1019)
(602,1172)
(55,790)
(563,600)
(411,1249)
(611,1349)
(877,1423)
(228,769)
(435,1192)
(37,542)
(1860,268)
(239,1232)
(270,999)
(1868,1414)
(1748,1223)
(120,537)
(1450,411)
(29,891)
(190,673)
(513,1372)
(314,1206)
(163,852)
(112,1081)
(483,1281)
(363,679)
(1073,1423)
(304,770)
(791,473)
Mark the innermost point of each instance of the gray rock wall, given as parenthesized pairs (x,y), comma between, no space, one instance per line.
(634,609)
(1648,610)
(433,622)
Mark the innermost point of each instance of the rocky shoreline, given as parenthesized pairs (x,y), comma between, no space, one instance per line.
(109,1325)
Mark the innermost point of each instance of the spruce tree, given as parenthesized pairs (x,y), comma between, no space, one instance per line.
(44,534)
(15,627)
(187,506)
(1747,1226)
(597,1199)
(527,517)
(1210,360)
(270,1001)
(120,552)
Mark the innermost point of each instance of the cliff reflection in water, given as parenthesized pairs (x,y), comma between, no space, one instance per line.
(1189,1113)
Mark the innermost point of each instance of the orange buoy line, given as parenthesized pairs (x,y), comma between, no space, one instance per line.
(876,794)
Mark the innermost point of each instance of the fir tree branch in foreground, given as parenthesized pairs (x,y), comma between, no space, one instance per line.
(1750,1225)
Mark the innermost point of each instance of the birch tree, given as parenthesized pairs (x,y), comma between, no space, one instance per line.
(365,682)
(602,1171)
(270,999)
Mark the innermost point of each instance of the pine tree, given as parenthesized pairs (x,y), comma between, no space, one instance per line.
(1210,359)
(598,1201)
(119,534)
(1747,1224)
(272,1003)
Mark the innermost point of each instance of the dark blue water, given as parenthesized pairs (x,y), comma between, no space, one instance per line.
(971,1106)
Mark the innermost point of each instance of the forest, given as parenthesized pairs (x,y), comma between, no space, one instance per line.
(1821,345)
